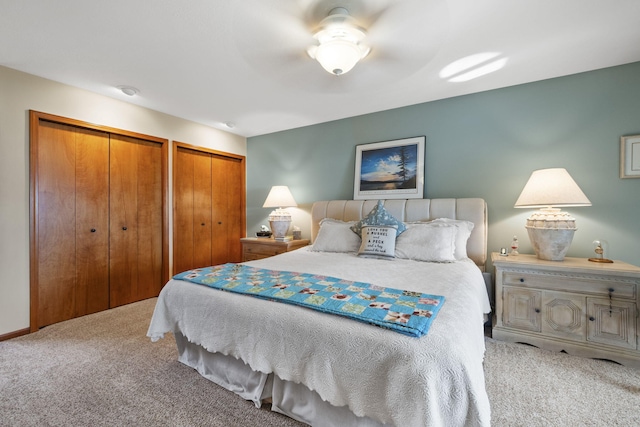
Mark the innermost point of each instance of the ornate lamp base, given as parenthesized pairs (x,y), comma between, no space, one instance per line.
(551,232)
(279,220)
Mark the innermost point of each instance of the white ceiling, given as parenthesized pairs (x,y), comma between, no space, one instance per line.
(244,61)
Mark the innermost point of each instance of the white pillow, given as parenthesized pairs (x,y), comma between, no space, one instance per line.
(427,242)
(336,236)
(464,229)
(378,241)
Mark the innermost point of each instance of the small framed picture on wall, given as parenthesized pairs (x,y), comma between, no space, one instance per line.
(630,156)
(390,170)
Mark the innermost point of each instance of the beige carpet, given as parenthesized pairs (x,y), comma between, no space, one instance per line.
(532,387)
(101,370)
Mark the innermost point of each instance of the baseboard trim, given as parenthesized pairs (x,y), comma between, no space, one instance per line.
(15,334)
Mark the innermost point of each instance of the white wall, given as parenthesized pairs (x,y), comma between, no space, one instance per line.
(19,93)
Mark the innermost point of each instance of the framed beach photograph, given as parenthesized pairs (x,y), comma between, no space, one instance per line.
(630,156)
(390,170)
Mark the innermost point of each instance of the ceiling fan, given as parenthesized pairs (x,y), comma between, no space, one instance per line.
(387,39)
(340,41)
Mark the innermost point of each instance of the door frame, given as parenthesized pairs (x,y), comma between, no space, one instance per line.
(35,118)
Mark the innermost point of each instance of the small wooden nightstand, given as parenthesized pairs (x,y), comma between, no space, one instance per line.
(585,308)
(257,248)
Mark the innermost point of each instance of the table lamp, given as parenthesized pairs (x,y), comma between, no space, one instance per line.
(551,230)
(279,197)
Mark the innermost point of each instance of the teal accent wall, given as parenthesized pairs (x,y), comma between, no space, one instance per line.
(481,145)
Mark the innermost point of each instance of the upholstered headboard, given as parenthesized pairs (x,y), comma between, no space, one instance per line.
(471,209)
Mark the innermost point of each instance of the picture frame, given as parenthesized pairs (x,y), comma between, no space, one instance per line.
(630,156)
(390,169)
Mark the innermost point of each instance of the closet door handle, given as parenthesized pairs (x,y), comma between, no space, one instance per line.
(219,222)
(124,228)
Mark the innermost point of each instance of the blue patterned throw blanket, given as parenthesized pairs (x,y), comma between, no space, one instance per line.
(407,312)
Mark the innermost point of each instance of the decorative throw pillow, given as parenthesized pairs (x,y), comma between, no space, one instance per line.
(379,216)
(378,241)
(427,242)
(464,229)
(336,236)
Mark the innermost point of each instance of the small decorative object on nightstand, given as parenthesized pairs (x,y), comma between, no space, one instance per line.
(599,253)
(264,232)
(297,233)
(256,248)
(584,308)
(514,246)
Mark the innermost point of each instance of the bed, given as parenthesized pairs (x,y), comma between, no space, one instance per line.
(327,370)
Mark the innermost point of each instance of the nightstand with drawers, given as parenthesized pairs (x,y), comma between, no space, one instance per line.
(258,248)
(584,308)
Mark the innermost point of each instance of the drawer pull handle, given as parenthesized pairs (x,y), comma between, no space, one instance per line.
(124,228)
(521,280)
(537,310)
(610,305)
(93,230)
(592,318)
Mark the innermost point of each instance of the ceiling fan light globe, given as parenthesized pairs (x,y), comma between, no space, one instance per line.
(338,56)
(311,51)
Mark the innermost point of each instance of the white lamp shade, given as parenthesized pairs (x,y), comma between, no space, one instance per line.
(279,197)
(551,188)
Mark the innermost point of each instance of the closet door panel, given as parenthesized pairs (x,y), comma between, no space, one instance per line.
(135,220)
(72,200)
(202,217)
(192,194)
(149,226)
(56,223)
(236,201)
(227,209)
(92,222)
(123,248)
(183,190)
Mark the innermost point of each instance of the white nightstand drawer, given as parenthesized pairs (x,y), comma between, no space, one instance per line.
(585,284)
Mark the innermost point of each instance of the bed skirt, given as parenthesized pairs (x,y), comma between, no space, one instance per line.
(293,400)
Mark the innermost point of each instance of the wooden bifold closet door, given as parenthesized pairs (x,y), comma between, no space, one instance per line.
(135,217)
(209,207)
(98,218)
(72,222)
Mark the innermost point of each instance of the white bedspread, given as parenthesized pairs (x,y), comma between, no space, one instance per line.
(434,380)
